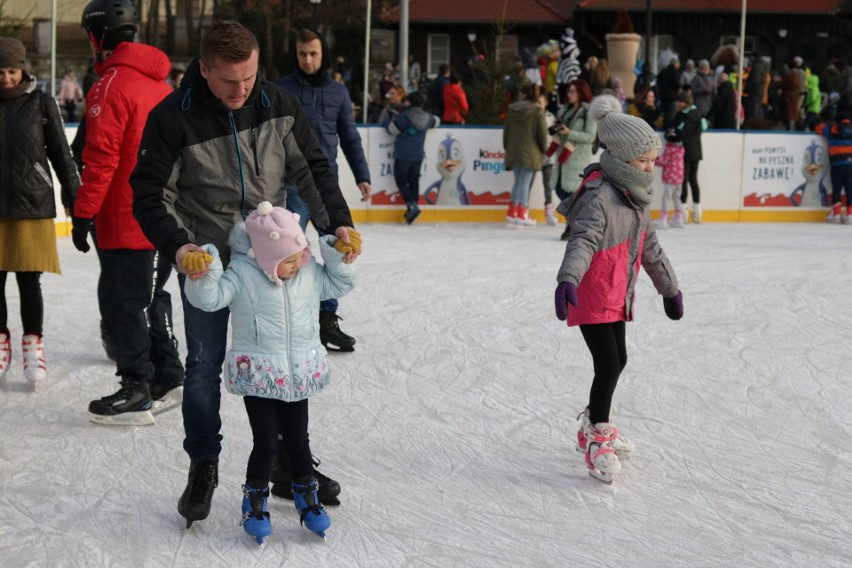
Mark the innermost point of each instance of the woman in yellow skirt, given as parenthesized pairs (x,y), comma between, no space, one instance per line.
(31,132)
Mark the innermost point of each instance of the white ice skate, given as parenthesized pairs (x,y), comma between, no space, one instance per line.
(621,445)
(32,348)
(549,214)
(601,459)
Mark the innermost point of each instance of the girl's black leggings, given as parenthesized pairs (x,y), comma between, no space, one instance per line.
(690,174)
(32,303)
(609,354)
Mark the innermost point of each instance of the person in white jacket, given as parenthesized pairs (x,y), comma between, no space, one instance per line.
(273,287)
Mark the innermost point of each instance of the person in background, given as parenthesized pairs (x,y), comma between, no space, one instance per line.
(575,135)
(547,165)
(455,102)
(270,256)
(688,126)
(723,110)
(754,89)
(328,110)
(31,119)
(435,97)
(175,76)
(137,318)
(414,74)
(395,99)
(839,138)
(601,78)
(644,106)
(410,128)
(703,85)
(70,94)
(687,75)
(668,84)
(671,162)
(611,235)
(525,141)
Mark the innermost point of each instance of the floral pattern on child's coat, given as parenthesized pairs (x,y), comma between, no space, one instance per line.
(253,374)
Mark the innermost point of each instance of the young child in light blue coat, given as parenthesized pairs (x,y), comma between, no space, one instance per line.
(273,287)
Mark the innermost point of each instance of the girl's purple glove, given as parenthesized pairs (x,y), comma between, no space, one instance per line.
(566,293)
(674,306)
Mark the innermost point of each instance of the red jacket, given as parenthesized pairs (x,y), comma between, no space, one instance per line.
(455,104)
(132,83)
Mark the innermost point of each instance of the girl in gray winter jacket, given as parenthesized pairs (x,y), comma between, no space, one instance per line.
(611,236)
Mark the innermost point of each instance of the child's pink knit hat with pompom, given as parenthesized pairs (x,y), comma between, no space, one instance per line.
(275,235)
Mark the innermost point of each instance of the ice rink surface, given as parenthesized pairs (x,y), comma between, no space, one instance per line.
(451,428)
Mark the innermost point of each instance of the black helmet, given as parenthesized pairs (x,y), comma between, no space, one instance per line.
(109,22)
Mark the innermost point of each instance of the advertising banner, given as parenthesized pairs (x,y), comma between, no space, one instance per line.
(463,167)
(786,171)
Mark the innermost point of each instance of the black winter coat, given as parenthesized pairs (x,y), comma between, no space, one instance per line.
(31,132)
(687,124)
(723,111)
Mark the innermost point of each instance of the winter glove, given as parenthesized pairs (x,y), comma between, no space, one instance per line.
(354,243)
(79,231)
(566,293)
(195,261)
(674,306)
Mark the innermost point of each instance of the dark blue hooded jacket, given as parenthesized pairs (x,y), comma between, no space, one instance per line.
(329,113)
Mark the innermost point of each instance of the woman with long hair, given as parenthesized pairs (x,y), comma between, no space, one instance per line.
(575,134)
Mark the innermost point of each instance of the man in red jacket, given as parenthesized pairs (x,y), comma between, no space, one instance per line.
(139,317)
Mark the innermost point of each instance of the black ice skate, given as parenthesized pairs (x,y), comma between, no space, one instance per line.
(130,406)
(165,397)
(282,481)
(330,334)
(194,504)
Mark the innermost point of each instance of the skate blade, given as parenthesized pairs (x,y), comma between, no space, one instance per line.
(172,399)
(140,418)
(602,476)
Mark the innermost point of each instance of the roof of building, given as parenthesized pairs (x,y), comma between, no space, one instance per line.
(483,11)
(815,7)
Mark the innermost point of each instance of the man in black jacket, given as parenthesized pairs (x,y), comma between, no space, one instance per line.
(668,83)
(211,152)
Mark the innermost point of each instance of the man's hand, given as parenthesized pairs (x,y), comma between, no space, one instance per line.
(354,243)
(181,262)
(195,261)
(342,233)
(79,231)
(366,190)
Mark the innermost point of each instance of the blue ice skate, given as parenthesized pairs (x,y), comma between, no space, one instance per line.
(255,518)
(311,512)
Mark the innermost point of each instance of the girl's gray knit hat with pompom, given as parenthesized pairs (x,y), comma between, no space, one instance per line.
(625,136)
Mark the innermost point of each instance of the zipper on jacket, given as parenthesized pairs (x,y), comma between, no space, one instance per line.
(239,163)
(284,296)
(254,150)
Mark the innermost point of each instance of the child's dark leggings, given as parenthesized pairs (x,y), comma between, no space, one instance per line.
(609,354)
(32,303)
(267,418)
(690,175)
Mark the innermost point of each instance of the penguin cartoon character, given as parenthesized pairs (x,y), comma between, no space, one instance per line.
(449,190)
(813,193)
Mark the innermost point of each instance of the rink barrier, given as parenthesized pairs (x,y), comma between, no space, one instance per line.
(752,177)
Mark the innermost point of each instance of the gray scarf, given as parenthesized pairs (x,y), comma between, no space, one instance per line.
(638,184)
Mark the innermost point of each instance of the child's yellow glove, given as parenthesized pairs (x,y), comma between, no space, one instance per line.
(195,261)
(354,243)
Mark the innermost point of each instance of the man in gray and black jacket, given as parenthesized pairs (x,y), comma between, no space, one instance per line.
(210,153)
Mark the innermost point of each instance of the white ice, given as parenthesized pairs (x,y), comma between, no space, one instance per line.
(451,427)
